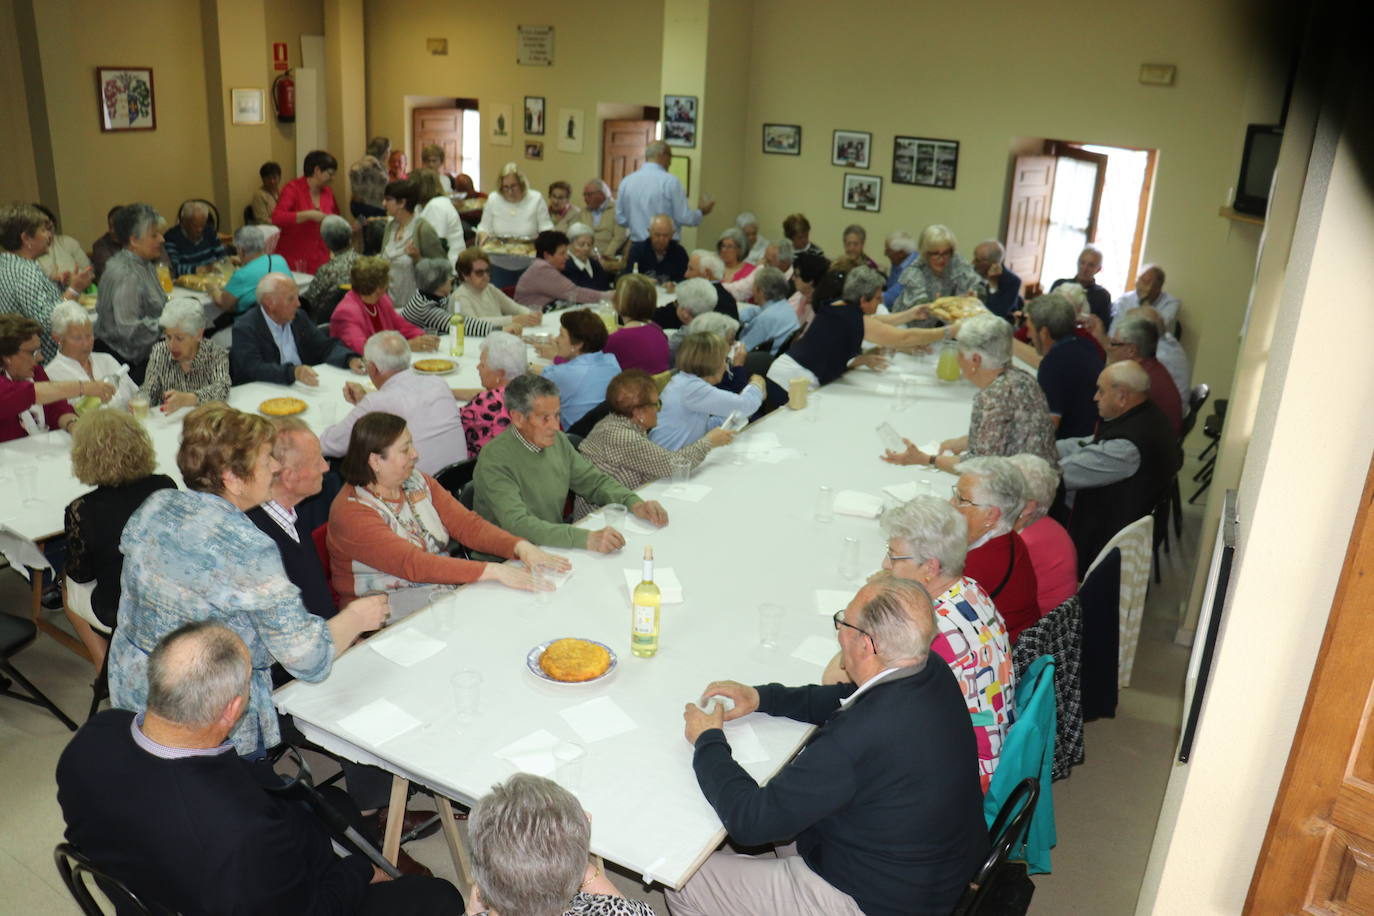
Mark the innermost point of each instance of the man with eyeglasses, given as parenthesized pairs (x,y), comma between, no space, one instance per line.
(892,767)
(1123,472)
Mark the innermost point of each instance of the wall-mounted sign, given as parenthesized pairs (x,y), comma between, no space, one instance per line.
(534,45)
(280,59)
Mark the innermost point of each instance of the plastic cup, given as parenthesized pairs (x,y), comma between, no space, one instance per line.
(849,558)
(467,693)
(682,470)
(616,515)
(825,505)
(770,625)
(138,406)
(813,409)
(569,757)
(26,482)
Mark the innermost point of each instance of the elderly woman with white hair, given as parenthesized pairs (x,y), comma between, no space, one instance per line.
(428,307)
(1051,549)
(938,272)
(503,358)
(732,247)
(327,286)
(833,342)
(1010,414)
(131,296)
(184,369)
(530,840)
(927,542)
(77,361)
(748,223)
(241,292)
(518,212)
(990,494)
(695,297)
(583,266)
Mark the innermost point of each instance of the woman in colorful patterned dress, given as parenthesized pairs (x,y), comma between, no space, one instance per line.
(484,417)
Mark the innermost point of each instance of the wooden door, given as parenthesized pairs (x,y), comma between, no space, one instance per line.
(1028,216)
(443,126)
(1318,854)
(622,148)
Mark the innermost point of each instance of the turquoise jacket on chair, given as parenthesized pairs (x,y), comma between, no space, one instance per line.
(1029,751)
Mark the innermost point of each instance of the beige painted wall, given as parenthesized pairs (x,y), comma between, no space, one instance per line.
(287,22)
(611,55)
(1088,95)
(19,177)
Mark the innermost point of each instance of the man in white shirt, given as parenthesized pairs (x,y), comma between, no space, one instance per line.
(652,190)
(1149,290)
(424,401)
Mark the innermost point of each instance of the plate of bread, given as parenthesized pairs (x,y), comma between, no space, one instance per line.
(571,661)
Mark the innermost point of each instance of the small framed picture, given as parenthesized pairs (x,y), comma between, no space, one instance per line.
(851,148)
(862,192)
(782,139)
(569,126)
(124,96)
(924,161)
(499,126)
(245,106)
(534,149)
(680,120)
(534,115)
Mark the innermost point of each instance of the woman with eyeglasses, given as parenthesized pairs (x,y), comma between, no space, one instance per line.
(990,495)
(484,307)
(938,272)
(518,212)
(927,542)
(619,443)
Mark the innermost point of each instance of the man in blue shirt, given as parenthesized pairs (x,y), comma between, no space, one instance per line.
(900,248)
(1004,287)
(1069,368)
(651,191)
(776,321)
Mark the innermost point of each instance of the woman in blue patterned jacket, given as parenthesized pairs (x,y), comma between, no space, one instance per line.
(194,555)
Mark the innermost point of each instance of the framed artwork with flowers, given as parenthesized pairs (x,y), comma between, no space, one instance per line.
(125,98)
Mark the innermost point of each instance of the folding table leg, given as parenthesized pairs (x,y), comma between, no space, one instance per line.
(461,860)
(395,819)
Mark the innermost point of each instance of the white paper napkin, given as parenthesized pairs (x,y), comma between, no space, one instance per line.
(21,552)
(817,650)
(597,719)
(669,588)
(830,600)
(378,722)
(532,753)
(405,647)
(687,492)
(757,441)
(904,492)
(745,745)
(855,502)
(777,455)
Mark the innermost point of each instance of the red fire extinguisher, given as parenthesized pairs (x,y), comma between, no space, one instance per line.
(284,97)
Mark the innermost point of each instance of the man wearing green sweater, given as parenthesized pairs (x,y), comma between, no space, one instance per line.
(523,476)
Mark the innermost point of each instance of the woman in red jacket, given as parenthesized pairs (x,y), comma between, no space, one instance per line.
(29,402)
(303,204)
(990,495)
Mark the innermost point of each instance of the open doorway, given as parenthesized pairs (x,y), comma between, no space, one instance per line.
(1073,194)
(453,125)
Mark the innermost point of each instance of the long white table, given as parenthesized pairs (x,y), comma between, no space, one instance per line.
(751,539)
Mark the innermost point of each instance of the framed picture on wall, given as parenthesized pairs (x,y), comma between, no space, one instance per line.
(852,148)
(245,106)
(499,125)
(534,115)
(124,96)
(680,120)
(782,139)
(569,127)
(862,192)
(927,162)
(534,149)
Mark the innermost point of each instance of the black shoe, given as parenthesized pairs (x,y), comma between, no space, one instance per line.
(52,598)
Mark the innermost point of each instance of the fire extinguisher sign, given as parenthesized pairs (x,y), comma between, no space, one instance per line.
(280,60)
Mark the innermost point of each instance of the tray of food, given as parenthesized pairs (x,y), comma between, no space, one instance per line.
(957,308)
(571,661)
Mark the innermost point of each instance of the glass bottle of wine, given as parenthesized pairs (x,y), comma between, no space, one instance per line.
(644,612)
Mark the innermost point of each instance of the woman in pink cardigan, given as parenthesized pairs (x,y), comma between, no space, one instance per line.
(367,309)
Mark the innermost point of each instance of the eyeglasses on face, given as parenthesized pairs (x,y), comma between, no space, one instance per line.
(656,405)
(942,253)
(841,622)
(961,501)
(893,558)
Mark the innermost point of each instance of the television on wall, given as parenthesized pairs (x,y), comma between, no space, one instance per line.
(1262,143)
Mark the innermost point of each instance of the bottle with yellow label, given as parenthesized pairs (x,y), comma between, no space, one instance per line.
(456,324)
(644,611)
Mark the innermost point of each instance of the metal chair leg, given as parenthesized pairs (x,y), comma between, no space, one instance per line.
(36,697)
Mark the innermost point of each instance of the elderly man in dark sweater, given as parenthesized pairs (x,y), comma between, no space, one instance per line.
(883,803)
(160,801)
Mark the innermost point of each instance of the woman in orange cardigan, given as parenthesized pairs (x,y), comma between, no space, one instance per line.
(390,526)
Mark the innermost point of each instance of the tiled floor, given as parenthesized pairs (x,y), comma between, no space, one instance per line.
(1105,812)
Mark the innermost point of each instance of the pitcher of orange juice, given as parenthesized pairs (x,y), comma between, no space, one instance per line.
(947,369)
(164,276)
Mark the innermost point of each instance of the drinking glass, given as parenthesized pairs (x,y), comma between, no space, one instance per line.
(616,515)
(569,757)
(138,406)
(682,470)
(467,693)
(849,558)
(770,625)
(825,505)
(26,481)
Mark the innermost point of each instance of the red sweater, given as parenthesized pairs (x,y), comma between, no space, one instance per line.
(1018,598)
(17,397)
(300,243)
(352,325)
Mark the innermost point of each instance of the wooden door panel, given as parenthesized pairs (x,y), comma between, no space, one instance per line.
(443,126)
(622,148)
(1028,216)
(1318,853)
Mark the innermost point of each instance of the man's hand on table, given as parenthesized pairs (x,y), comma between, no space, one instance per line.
(696,720)
(306,376)
(652,511)
(605,540)
(357,366)
(425,343)
(353,392)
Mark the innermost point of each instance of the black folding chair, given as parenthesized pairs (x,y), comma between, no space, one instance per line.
(78,872)
(1002,887)
(454,477)
(16,634)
